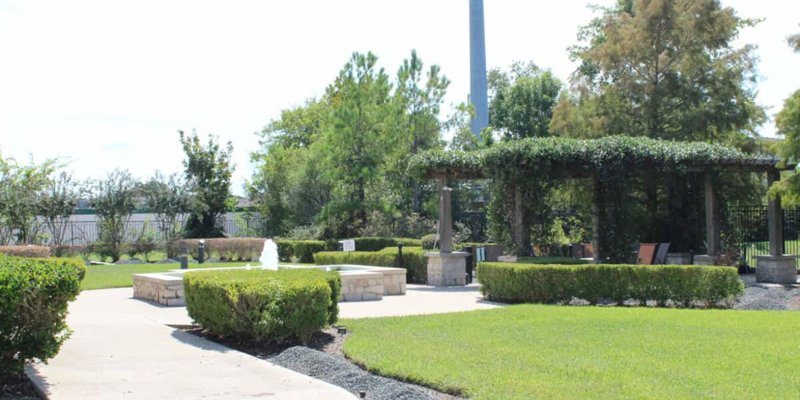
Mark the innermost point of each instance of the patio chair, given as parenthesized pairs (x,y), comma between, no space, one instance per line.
(661,254)
(647,252)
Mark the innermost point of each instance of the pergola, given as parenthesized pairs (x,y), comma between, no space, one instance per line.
(572,158)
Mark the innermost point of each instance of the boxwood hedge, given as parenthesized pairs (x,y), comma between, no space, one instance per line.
(682,284)
(380,243)
(413,260)
(264,306)
(301,250)
(33,306)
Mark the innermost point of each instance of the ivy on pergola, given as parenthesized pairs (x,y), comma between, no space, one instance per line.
(607,162)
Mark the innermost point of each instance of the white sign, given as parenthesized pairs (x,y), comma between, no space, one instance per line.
(348,245)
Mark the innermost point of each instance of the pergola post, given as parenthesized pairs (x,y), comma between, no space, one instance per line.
(713,237)
(775,218)
(596,219)
(776,267)
(446,267)
(445,215)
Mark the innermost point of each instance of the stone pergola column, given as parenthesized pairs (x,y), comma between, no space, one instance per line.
(446,267)
(713,237)
(776,267)
(445,215)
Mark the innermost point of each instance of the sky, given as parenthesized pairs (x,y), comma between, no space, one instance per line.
(104,84)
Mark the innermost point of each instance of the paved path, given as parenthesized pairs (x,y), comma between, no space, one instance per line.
(122,348)
(419,299)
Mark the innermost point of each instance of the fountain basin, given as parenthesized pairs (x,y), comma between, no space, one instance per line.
(359,282)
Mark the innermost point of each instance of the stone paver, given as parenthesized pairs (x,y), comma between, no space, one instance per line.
(122,348)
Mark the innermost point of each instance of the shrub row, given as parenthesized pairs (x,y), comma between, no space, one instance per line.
(681,284)
(241,249)
(26,251)
(264,306)
(33,306)
(413,260)
(380,243)
(300,250)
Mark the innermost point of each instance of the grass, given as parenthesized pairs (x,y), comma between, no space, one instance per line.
(556,352)
(115,276)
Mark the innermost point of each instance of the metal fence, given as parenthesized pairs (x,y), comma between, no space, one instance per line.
(749,230)
(79,232)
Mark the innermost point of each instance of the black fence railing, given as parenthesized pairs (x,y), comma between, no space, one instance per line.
(749,231)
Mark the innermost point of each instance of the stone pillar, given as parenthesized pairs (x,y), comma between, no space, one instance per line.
(775,218)
(446,268)
(776,267)
(445,216)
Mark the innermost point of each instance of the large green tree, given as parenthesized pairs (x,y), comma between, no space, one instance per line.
(208,171)
(355,142)
(665,69)
(523,100)
(788,124)
(418,97)
(339,162)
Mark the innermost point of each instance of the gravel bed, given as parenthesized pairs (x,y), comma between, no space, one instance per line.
(769,298)
(17,387)
(340,372)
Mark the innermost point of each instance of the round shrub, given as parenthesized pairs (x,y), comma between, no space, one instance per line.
(33,306)
(263,306)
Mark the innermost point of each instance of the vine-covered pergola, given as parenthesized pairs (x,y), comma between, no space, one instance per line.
(606,162)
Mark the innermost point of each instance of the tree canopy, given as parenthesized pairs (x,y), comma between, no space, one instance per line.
(664,69)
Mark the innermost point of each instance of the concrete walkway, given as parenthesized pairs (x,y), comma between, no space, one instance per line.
(123,348)
(419,299)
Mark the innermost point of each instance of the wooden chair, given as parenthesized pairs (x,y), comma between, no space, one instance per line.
(647,252)
(661,254)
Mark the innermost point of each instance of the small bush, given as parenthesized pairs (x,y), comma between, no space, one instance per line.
(429,242)
(143,246)
(73,250)
(682,284)
(414,260)
(33,306)
(299,250)
(26,251)
(380,243)
(264,306)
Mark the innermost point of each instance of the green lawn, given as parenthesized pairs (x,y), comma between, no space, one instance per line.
(557,352)
(113,276)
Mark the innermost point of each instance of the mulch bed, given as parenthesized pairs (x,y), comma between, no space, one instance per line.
(17,387)
(322,358)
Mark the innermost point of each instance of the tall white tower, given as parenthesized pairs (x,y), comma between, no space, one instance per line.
(477,54)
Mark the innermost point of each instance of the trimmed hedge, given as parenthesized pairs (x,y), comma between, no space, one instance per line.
(682,284)
(303,250)
(242,249)
(26,251)
(552,261)
(33,306)
(264,306)
(414,260)
(380,243)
